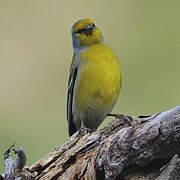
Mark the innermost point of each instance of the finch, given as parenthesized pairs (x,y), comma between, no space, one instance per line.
(95,78)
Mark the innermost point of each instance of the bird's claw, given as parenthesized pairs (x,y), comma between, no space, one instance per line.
(83,128)
(123,117)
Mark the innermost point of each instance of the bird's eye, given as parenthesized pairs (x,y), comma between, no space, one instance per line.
(88,30)
(81,31)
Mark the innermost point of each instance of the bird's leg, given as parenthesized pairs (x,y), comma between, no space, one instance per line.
(84,128)
(123,117)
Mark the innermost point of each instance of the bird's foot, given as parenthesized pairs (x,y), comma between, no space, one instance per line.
(84,129)
(123,117)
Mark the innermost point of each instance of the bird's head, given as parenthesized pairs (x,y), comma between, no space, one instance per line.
(85,33)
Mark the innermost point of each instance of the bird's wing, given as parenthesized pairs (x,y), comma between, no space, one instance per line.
(71,83)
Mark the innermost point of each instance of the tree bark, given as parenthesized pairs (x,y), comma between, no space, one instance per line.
(148,149)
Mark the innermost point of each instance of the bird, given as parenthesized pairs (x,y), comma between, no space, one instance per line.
(95,78)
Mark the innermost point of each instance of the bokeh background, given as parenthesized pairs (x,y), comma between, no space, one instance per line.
(36,52)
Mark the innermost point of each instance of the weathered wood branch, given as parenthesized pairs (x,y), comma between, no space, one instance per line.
(13,167)
(145,150)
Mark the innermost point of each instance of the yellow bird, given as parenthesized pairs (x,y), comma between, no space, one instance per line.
(95,78)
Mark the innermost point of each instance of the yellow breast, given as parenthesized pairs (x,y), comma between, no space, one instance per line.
(99,79)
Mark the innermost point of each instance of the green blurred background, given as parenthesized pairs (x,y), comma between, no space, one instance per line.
(36,52)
